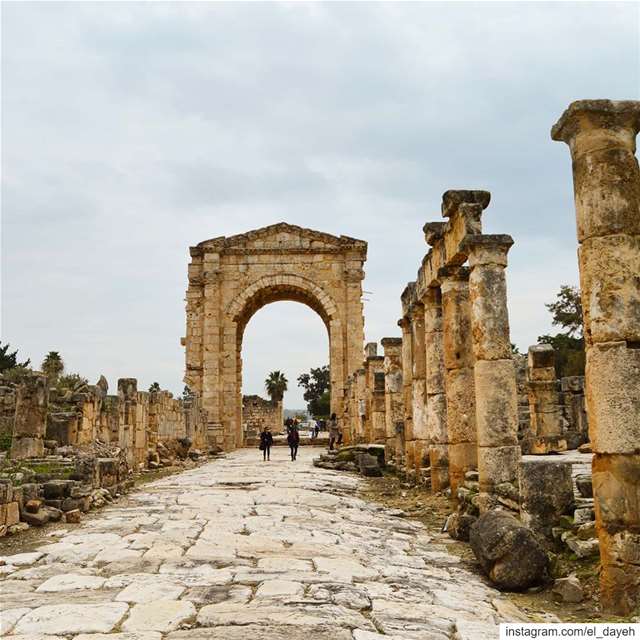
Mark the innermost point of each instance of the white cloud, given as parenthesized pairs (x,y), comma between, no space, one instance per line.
(131,131)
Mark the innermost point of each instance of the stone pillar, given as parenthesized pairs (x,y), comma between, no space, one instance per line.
(436,400)
(393,389)
(459,380)
(407,390)
(127,406)
(418,395)
(601,135)
(544,402)
(494,370)
(30,424)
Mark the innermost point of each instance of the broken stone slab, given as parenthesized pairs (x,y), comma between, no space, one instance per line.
(582,548)
(65,619)
(159,615)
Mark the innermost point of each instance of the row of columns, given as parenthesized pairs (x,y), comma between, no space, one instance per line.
(460,399)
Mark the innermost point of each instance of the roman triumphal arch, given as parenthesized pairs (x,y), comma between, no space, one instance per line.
(231,278)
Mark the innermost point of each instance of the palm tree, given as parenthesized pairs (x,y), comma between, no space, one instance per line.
(276,385)
(53,365)
(154,387)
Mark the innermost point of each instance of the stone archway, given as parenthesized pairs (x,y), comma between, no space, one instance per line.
(232,278)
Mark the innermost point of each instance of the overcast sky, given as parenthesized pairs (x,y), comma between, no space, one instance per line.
(132,131)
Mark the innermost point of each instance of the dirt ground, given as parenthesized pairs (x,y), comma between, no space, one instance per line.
(433,510)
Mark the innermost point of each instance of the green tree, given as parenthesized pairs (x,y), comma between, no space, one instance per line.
(9,359)
(275,385)
(53,365)
(154,387)
(568,346)
(187,394)
(71,381)
(317,394)
(567,310)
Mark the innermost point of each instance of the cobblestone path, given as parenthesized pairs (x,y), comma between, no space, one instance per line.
(240,549)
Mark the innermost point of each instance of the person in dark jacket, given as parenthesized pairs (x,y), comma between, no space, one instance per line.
(266,440)
(293,438)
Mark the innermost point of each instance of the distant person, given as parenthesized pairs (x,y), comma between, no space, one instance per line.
(316,429)
(266,442)
(334,432)
(293,438)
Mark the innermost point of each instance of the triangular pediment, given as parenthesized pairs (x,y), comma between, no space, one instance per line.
(282,236)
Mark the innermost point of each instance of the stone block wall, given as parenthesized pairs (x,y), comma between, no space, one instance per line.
(7,412)
(134,420)
(258,413)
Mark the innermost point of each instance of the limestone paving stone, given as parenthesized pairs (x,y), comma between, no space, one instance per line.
(9,617)
(349,563)
(72,618)
(159,615)
(71,582)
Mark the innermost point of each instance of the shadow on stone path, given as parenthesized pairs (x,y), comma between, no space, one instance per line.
(241,549)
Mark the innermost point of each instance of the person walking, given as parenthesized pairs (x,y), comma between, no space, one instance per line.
(293,438)
(334,432)
(266,441)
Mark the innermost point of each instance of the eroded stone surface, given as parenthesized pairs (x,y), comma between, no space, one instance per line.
(246,550)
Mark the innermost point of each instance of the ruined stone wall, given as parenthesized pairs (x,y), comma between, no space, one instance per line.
(7,412)
(258,413)
(134,420)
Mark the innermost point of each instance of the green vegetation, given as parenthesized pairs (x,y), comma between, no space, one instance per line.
(317,394)
(154,387)
(9,359)
(275,385)
(52,365)
(568,345)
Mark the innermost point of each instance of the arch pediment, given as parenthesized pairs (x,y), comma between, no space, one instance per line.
(282,238)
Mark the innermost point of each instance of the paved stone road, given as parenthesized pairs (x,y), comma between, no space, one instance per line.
(239,549)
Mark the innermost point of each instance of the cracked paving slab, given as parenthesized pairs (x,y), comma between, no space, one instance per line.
(239,548)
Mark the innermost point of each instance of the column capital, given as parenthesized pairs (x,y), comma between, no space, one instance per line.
(433,232)
(488,249)
(453,198)
(618,119)
(453,274)
(391,342)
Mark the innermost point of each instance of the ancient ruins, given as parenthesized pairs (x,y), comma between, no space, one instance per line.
(232,278)
(446,404)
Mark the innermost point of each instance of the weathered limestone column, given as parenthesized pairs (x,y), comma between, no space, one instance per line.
(30,424)
(494,371)
(601,135)
(127,408)
(544,402)
(418,395)
(393,393)
(436,399)
(459,380)
(407,391)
